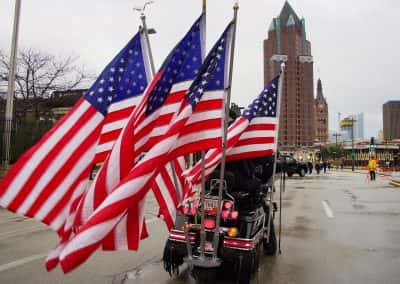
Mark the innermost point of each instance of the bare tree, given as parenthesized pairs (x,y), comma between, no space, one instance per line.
(39,74)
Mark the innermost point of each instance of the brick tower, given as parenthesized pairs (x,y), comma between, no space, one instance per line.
(287,42)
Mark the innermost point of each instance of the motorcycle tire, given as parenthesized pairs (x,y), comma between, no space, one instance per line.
(271,246)
(244,269)
(204,275)
(257,256)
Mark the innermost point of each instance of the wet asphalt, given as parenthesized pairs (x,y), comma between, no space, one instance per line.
(337,228)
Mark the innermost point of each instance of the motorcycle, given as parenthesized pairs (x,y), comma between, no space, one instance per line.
(246,230)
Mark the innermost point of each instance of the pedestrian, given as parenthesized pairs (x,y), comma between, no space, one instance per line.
(317,167)
(372,163)
(324,165)
(310,167)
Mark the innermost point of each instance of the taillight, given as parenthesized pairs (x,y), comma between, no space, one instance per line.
(228,205)
(209,224)
(225,214)
(234,215)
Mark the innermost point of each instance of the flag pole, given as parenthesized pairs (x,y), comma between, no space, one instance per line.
(203,163)
(146,35)
(225,134)
(10,90)
(280,87)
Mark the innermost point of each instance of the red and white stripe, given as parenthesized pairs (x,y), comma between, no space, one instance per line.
(43,180)
(117,117)
(245,140)
(168,190)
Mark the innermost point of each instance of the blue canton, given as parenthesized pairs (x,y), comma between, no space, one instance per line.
(124,77)
(212,73)
(266,104)
(181,65)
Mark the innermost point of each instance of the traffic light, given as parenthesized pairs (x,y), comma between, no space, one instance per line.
(372,142)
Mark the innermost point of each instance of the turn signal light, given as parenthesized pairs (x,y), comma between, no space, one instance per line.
(232,232)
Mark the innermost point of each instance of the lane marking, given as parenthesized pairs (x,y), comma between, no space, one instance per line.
(21,261)
(327,209)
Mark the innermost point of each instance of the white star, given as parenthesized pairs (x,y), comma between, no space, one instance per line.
(122,60)
(100,99)
(140,76)
(111,79)
(129,91)
(121,70)
(102,81)
(136,53)
(130,51)
(132,72)
(126,80)
(110,89)
(91,93)
(109,98)
(137,65)
(273,86)
(101,90)
(112,69)
(141,88)
(194,59)
(134,83)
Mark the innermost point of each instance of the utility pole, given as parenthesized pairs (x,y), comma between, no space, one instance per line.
(336,147)
(10,92)
(352,143)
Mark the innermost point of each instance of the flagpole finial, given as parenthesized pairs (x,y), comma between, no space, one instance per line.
(236,5)
(283,66)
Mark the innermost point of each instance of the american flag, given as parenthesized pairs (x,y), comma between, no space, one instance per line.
(122,83)
(51,176)
(133,188)
(144,128)
(253,134)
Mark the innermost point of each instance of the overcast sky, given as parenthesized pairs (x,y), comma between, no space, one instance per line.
(355,44)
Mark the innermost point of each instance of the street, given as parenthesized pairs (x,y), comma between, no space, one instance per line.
(337,228)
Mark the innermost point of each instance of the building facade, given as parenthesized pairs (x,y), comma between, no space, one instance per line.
(391,120)
(287,42)
(321,116)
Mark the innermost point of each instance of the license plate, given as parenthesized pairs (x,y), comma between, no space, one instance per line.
(210,204)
